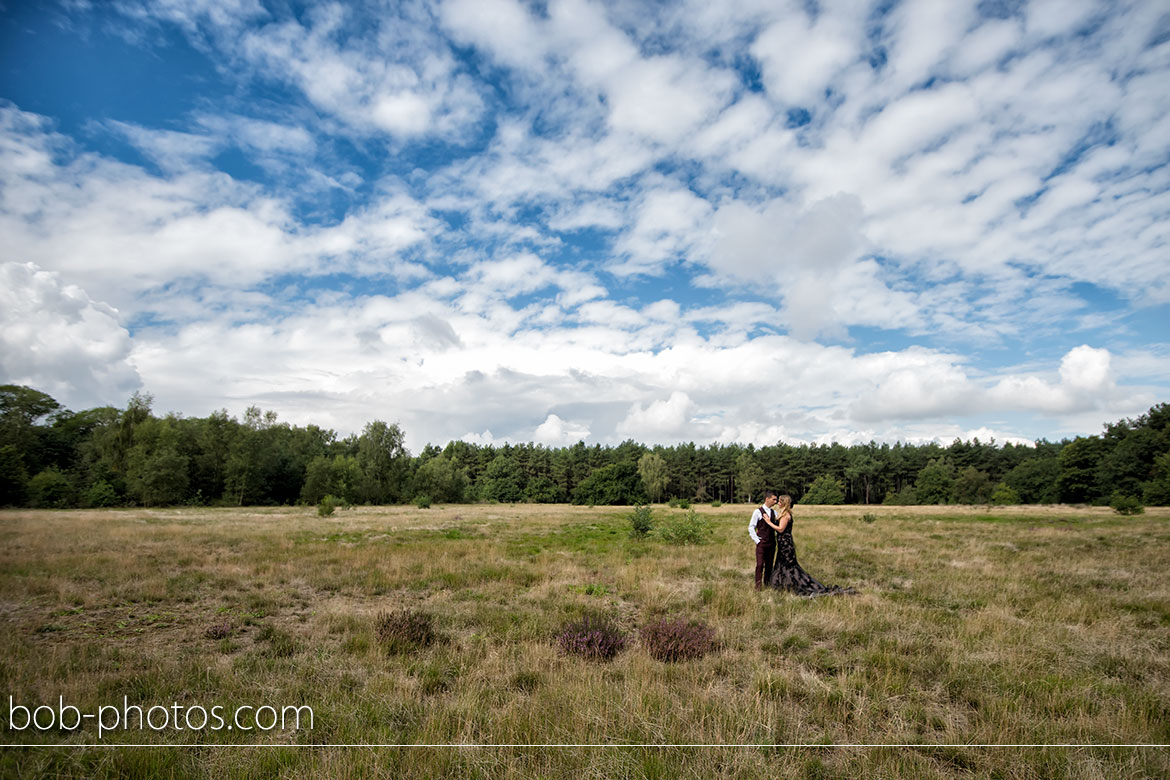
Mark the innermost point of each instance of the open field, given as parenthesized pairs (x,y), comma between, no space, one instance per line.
(1019,625)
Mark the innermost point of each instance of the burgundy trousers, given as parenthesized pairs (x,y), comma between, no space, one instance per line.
(765,559)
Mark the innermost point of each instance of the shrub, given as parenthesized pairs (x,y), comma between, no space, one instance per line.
(641,522)
(1126,505)
(679,503)
(405,630)
(326,506)
(686,529)
(869,517)
(677,639)
(423,502)
(594,637)
(716,503)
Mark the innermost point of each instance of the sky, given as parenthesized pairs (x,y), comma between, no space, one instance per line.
(509,221)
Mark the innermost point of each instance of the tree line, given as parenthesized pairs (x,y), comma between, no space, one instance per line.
(53,457)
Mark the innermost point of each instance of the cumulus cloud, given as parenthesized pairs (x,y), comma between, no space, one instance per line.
(55,338)
(659,419)
(556,432)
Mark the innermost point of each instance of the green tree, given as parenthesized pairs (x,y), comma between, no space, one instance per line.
(1077,482)
(749,476)
(13,476)
(652,469)
(1035,480)
(50,489)
(1156,492)
(318,480)
(617,484)
(542,490)
(441,480)
(383,460)
(21,410)
(824,490)
(864,468)
(1004,495)
(502,480)
(157,477)
(935,483)
(972,486)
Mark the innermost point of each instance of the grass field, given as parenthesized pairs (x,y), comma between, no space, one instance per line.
(1005,626)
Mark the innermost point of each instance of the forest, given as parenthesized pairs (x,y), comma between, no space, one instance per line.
(51,457)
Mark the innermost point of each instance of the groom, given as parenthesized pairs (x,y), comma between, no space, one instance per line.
(764,537)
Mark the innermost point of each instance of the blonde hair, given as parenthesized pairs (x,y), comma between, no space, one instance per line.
(785,502)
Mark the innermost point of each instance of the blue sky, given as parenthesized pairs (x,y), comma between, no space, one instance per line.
(508,221)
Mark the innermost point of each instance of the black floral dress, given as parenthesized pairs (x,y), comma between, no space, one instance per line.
(787,575)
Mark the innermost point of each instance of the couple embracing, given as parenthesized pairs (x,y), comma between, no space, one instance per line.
(771,530)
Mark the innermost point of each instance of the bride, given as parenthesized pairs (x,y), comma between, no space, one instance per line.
(787,574)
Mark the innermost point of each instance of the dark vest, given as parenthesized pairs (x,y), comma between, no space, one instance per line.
(766,533)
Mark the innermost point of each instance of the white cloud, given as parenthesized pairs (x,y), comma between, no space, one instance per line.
(800,55)
(55,338)
(555,432)
(660,419)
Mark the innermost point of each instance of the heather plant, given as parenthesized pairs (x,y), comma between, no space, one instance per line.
(688,528)
(641,522)
(405,630)
(220,630)
(677,639)
(594,637)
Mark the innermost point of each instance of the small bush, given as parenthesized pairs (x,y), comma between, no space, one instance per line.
(405,630)
(326,506)
(641,522)
(423,502)
(687,529)
(593,637)
(1126,505)
(716,502)
(677,639)
(869,517)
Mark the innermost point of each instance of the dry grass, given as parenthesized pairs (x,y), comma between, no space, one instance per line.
(1016,625)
